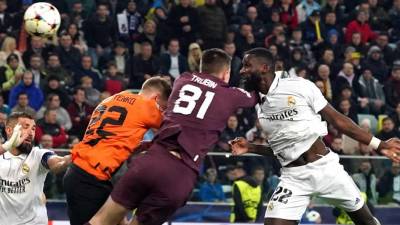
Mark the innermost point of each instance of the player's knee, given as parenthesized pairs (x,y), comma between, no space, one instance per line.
(377,221)
(370,221)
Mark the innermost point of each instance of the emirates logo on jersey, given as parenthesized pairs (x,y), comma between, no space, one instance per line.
(291,101)
(286,115)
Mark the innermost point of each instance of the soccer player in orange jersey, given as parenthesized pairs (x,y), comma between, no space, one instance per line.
(117,127)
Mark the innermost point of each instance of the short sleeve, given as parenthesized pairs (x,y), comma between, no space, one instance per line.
(315,98)
(46,156)
(244,98)
(41,157)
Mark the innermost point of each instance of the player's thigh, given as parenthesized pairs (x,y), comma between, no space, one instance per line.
(84,196)
(363,216)
(134,221)
(134,185)
(338,188)
(276,221)
(289,201)
(109,214)
(169,192)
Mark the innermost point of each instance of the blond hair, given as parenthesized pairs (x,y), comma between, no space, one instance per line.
(6,46)
(194,61)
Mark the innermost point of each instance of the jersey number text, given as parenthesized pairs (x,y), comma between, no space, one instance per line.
(100,131)
(190,94)
(281,195)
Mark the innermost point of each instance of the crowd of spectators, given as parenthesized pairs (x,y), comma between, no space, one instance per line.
(350,49)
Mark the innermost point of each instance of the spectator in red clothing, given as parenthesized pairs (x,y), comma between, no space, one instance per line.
(114,81)
(79,112)
(288,14)
(48,125)
(361,25)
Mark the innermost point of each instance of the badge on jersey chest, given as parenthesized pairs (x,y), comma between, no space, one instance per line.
(25,168)
(270,206)
(291,101)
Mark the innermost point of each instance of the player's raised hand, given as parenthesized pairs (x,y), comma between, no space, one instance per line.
(392,149)
(16,138)
(239,146)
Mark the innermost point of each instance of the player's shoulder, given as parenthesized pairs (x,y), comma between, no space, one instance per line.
(240,91)
(40,151)
(296,84)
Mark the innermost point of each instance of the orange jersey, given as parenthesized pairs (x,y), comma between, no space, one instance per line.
(116,128)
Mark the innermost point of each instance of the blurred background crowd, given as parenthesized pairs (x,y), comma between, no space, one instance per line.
(350,49)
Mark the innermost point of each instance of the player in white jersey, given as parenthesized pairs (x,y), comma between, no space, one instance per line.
(23,169)
(290,113)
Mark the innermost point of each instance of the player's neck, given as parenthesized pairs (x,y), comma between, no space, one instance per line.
(146,94)
(15,152)
(266,82)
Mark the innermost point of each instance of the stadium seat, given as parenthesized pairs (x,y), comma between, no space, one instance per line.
(372,119)
(380,122)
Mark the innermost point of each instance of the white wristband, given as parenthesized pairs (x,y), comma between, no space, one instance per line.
(374,143)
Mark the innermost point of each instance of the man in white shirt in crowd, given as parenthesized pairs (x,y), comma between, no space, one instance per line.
(172,62)
(23,169)
(290,114)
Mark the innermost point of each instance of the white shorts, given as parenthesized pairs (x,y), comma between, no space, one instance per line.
(324,178)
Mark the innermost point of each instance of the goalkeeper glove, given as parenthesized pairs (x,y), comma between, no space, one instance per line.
(15,139)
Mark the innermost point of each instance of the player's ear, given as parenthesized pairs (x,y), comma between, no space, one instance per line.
(265,68)
(156,95)
(9,129)
(227,75)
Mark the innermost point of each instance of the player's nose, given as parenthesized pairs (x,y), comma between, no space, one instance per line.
(243,71)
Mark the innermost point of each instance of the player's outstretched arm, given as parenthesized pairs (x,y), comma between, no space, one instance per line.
(241,146)
(58,164)
(390,148)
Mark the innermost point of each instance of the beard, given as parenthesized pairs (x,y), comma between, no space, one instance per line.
(25,147)
(251,83)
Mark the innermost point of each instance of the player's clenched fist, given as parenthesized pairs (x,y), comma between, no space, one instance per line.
(239,146)
(391,149)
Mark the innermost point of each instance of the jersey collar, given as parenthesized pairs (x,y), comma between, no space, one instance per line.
(274,84)
(210,77)
(8,155)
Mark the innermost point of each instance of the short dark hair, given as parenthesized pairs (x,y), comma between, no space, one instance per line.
(12,56)
(53,55)
(51,96)
(102,4)
(229,43)
(214,60)
(65,34)
(21,93)
(262,54)
(86,56)
(48,110)
(257,168)
(15,115)
(386,119)
(395,68)
(35,56)
(174,39)
(146,43)
(337,137)
(160,84)
(78,89)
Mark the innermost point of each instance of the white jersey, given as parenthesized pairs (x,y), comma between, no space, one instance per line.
(21,186)
(289,116)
